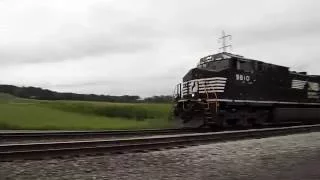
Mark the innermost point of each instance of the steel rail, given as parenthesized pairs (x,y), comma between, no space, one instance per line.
(75,148)
(60,135)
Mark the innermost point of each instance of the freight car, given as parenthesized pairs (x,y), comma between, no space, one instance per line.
(226,90)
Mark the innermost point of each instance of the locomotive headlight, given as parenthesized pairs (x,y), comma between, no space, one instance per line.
(192,95)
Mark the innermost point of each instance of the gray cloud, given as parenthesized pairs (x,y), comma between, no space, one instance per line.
(281,30)
(102,35)
(145,47)
(160,83)
(72,49)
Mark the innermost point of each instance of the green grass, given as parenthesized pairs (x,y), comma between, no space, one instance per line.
(4,96)
(18,113)
(137,111)
(7,97)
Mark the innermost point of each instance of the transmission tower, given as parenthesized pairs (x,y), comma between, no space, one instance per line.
(224,39)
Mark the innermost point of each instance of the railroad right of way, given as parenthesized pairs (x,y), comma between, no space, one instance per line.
(71,148)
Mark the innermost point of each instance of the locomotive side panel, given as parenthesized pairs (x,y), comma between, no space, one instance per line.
(297,114)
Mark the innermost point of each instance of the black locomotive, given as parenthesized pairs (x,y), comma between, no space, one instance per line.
(230,90)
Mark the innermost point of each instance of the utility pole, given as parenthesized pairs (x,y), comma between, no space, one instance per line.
(224,42)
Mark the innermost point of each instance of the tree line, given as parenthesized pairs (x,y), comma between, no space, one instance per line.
(45,94)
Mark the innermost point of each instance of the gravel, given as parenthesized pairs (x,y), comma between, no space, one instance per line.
(293,157)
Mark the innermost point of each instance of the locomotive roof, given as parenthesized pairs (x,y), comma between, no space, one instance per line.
(219,56)
(226,55)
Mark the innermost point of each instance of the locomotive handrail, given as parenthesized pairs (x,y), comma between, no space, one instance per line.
(217,103)
(215,94)
(180,90)
(188,87)
(205,89)
(177,91)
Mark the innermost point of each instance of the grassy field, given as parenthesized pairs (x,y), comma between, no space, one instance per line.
(16,113)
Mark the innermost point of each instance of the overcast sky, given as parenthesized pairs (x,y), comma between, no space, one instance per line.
(144,47)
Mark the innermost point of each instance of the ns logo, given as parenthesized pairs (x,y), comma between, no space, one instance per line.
(194,86)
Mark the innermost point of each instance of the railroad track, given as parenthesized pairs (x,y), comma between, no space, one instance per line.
(75,148)
(36,136)
(15,137)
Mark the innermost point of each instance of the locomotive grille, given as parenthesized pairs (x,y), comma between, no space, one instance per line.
(209,85)
(298,84)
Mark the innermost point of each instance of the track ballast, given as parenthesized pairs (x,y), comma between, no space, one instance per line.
(137,144)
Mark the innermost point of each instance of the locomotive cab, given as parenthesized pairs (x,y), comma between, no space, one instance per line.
(202,87)
(210,76)
(214,63)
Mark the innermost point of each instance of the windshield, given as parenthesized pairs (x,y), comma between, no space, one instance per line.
(215,65)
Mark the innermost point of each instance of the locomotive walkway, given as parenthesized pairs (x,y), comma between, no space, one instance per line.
(137,144)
